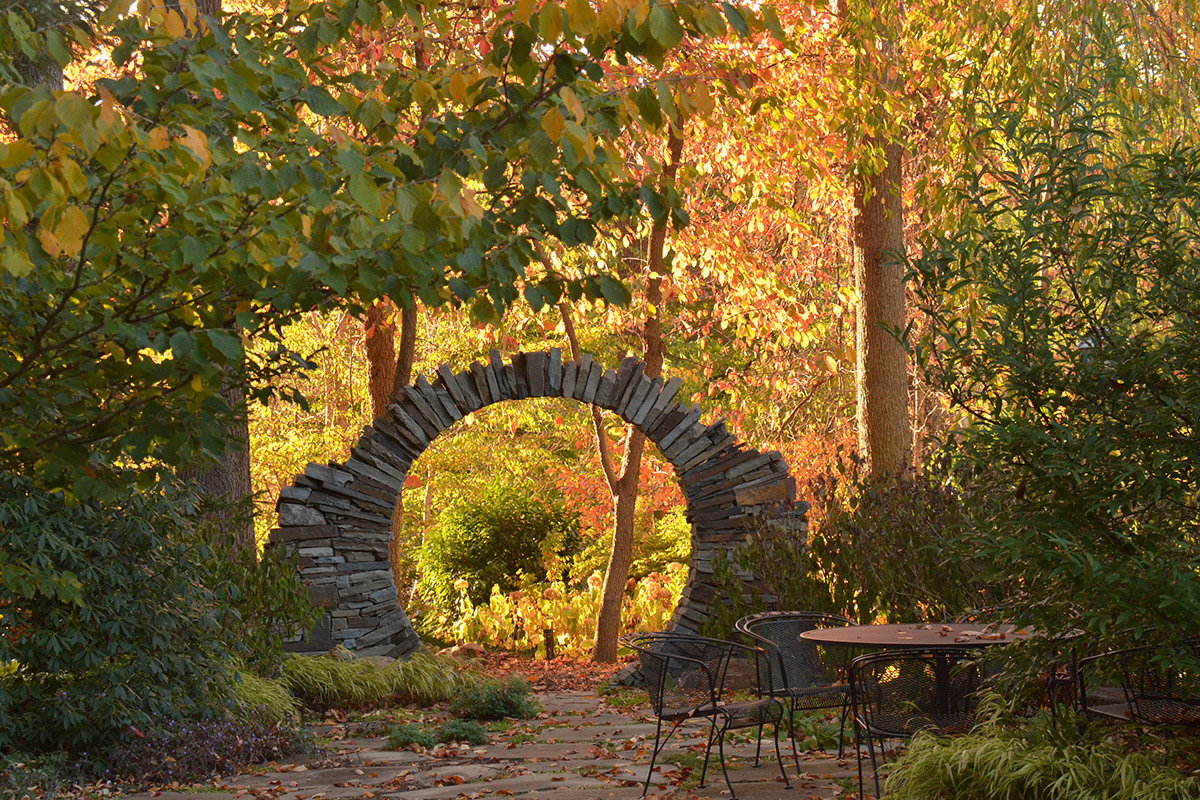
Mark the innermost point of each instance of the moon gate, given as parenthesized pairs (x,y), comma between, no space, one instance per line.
(336,518)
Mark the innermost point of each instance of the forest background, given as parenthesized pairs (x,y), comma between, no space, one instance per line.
(851,231)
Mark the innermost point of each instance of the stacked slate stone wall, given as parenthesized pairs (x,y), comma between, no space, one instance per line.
(337,518)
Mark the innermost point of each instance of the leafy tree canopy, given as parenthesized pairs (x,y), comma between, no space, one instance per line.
(227,181)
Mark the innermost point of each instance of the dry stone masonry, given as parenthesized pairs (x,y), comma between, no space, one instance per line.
(337,519)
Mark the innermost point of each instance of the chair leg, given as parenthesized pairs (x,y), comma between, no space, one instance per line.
(758,746)
(778,755)
(858,756)
(725,769)
(792,731)
(708,749)
(653,756)
(874,764)
(842,729)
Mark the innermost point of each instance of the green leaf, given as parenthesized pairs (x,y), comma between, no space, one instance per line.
(366,193)
(322,102)
(736,20)
(228,345)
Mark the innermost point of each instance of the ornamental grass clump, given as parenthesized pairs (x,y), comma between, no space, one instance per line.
(326,682)
(1009,759)
(262,699)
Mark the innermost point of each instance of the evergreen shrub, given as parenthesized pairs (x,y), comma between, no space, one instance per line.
(124,632)
(493,539)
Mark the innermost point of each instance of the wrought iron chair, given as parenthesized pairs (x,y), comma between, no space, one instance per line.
(804,675)
(1162,695)
(1150,692)
(1099,687)
(685,677)
(896,693)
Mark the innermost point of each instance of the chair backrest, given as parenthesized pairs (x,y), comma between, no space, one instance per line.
(683,672)
(1161,694)
(791,662)
(899,692)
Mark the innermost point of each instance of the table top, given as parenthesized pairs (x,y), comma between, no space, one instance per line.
(917,635)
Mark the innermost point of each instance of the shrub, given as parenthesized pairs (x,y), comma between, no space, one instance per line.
(142,637)
(426,679)
(521,618)
(453,730)
(492,540)
(493,699)
(184,752)
(901,550)
(1064,330)
(461,730)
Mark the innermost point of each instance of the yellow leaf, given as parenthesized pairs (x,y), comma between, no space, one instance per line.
(16,262)
(423,93)
(550,22)
(553,124)
(70,230)
(458,87)
(159,138)
(197,384)
(525,9)
(831,366)
(18,214)
(174,25)
(49,243)
(14,153)
(572,103)
(197,142)
(73,177)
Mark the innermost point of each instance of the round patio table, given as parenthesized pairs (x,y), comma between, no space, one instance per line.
(948,636)
(930,636)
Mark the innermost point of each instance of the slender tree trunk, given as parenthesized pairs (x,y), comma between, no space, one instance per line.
(884,429)
(401,377)
(625,495)
(380,344)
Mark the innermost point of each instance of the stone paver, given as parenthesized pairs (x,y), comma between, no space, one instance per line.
(580,750)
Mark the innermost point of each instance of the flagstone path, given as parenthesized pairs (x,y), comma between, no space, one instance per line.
(580,748)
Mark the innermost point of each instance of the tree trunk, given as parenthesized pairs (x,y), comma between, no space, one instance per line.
(227,482)
(401,377)
(380,344)
(625,496)
(884,430)
(881,380)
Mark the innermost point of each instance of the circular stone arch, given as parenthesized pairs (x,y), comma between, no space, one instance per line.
(336,518)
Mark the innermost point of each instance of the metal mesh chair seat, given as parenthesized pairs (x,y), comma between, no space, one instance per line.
(752,713)
(1168,711)
(685,677)
(804,674)
(896,693)
(1149,691)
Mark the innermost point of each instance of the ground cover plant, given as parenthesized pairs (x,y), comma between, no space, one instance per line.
(1006,758)
(452,730)
(495,699)
(558,618)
